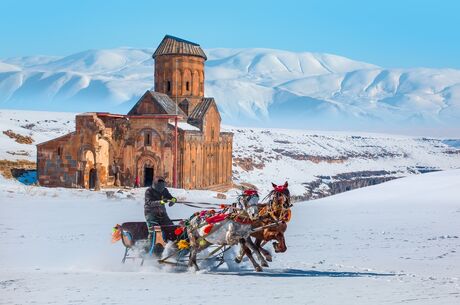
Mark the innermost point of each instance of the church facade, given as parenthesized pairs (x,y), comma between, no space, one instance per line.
(171,132)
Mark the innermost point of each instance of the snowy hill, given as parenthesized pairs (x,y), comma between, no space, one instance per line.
(316,164)
(253,87)
(388,244)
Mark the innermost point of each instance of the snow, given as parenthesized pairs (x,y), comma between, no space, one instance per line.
(396,242)
(253,87)
(40,125)
(185,126)
(282,153)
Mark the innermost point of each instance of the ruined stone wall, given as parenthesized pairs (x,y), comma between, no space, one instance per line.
(56,163)
(68,161)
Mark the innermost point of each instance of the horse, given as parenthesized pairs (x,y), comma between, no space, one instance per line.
(270,225)
(231,229)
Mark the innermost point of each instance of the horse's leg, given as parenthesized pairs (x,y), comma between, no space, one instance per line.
(247,251)
(193,250)
(192,259)
(265,252)
(240,255)
(255,250)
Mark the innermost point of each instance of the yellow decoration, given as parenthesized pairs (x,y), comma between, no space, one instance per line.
(183,244)
(202,242)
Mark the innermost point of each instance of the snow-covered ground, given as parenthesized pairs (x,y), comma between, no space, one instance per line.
(40,125)
(263,155)
(394,243)
(253,87)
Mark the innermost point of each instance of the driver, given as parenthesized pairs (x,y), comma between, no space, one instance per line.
(156,196)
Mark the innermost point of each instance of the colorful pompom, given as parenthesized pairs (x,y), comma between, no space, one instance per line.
(183,244)
(208,228)
(202,242)
(178,231)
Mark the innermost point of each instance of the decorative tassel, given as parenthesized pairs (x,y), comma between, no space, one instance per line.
(116,233)
(183,244)
(208,228)
(178,231)
(202,242)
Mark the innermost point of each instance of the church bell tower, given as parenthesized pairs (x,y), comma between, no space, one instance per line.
(179,71)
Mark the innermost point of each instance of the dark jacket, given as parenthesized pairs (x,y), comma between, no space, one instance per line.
(152,203)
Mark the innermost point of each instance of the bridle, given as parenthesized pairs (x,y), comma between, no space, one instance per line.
(278,212)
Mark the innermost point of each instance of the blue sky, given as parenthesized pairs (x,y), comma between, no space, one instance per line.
(404,33)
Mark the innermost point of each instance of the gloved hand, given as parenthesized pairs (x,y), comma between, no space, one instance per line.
(172,201)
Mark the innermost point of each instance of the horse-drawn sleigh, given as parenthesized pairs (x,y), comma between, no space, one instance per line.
(208,235)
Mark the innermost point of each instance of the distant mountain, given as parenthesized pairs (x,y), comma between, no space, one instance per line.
(253,87)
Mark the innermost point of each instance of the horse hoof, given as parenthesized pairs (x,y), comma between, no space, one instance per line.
(264,264)
(259,269)
(237,260)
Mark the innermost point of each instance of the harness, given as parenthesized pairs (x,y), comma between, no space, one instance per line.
(269,211)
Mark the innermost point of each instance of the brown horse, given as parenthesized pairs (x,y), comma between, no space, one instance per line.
(271,224)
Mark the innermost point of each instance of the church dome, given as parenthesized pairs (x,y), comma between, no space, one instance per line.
(171,45)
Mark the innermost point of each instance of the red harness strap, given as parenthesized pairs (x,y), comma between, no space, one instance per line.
(217,218)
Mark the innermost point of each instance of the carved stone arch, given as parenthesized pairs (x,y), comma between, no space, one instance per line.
(153,130)
(140,137)
(201,83)
(176,82)
(148,160)
(187,78)
(105,157)
(195,83)
(87,172)
(82,151)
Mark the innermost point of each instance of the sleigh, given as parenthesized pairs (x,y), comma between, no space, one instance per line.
(134,236)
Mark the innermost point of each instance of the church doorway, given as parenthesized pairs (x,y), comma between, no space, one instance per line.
(148,176)
(92,178)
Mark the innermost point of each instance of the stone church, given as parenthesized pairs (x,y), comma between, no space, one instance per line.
(172,132)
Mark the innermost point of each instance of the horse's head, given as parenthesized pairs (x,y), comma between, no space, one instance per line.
(280,244)
(278,207)
(281,196)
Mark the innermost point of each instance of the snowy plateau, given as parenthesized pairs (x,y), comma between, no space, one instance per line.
(253,87)
(394,243)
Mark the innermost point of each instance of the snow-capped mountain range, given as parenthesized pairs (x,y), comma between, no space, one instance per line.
(253,87)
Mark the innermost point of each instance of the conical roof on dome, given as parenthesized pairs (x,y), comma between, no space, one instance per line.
(171,45)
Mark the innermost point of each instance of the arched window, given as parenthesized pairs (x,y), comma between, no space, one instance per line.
(187,86)
(169,86)
(147,139)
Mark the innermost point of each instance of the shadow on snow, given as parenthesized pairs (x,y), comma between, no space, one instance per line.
(301,273)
